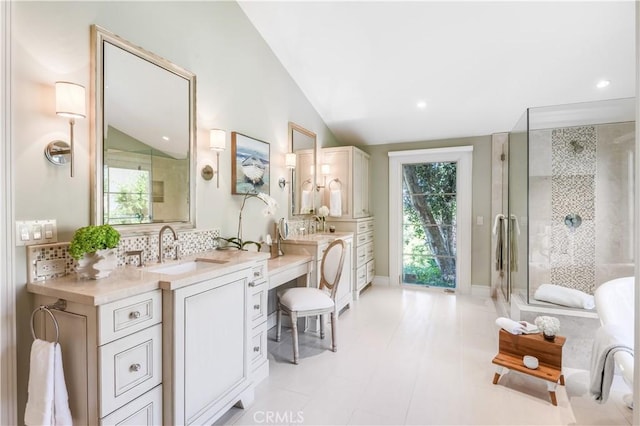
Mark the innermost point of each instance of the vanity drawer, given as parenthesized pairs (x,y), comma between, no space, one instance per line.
(321,249)
(369,225)
(126,316)
(362,227)
(259,344)
(145,410)
(371,270)
(129,367)
(361,277)
(258,307)
(368,252)
(259,271)
(367,237)
(361,255)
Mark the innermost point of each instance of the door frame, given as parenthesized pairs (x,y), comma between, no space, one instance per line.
(463,156)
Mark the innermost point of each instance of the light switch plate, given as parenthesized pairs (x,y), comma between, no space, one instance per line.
(31,232)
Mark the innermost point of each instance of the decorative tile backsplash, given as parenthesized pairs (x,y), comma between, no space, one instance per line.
(53,260)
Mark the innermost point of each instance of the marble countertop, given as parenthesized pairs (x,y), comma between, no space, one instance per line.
(128,281)
(317,239)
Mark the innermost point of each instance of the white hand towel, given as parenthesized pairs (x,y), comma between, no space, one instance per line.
(335,203)
(513,327)
(60,397)
(48,399)
(305,202)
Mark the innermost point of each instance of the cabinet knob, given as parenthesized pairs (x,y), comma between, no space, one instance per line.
(134,315)
(256,307)
(256,273)
(256,348)
(252,284)
(135,367)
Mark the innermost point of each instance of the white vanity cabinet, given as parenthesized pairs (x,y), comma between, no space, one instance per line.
(350,166)
(208,333)
(315,245)
(363,254)
(112,358)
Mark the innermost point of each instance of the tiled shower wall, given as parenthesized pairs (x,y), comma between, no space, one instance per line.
(588,171)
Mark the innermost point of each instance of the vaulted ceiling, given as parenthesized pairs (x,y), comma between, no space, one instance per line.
(476,65)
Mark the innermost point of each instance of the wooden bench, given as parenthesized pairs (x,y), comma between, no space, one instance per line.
(513,347)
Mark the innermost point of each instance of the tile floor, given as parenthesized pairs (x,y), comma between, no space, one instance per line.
(415,357)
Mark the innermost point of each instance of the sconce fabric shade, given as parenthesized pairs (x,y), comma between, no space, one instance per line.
(70,100)
(290,160)
(217,140)
(325,169)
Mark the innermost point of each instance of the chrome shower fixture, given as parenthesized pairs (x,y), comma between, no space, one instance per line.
(572,221)
(577,146)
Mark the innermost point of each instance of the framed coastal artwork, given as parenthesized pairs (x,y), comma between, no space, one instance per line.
(250,164)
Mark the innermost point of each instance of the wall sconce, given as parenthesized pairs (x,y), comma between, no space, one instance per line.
(70,102)
(290,163)
(217,143)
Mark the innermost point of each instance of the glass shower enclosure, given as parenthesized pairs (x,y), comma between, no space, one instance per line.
(571,197)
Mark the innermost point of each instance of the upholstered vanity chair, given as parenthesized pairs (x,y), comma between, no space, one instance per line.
(299,302)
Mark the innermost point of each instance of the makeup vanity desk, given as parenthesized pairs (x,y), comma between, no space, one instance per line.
(283,269)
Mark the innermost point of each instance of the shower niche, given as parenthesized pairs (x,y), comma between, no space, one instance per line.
(570,197)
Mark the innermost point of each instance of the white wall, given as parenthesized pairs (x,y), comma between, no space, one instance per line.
(241,87)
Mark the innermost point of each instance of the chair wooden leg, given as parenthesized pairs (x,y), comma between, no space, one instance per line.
(294,335)
(279,326)
(322,326)
(334,332)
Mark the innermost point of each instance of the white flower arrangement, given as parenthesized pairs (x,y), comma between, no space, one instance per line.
(323,212)
(550,326)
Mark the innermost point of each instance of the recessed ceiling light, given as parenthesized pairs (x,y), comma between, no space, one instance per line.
(166,138)
(421,104)
(602,84)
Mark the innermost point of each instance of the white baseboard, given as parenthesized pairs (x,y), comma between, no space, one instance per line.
(480,290)
(381,280)
(476,289)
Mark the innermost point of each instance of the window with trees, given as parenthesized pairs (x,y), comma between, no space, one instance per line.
(429,211)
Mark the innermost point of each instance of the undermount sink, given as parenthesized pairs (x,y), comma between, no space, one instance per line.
(185,267)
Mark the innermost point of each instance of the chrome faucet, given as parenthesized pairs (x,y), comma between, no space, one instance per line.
(160,247)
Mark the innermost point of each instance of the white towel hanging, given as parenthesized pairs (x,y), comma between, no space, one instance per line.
(335,203)
(496,222)
(48,400)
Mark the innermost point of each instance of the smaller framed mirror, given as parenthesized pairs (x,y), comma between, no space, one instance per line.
(303,194)
(283,228)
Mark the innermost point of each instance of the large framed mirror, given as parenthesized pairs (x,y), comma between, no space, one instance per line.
(144,137)
(303,195)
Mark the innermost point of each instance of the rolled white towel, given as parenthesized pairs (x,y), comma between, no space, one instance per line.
(564,296)
(513,327)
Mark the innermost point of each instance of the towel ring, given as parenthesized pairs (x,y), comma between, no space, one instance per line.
(55,322)
(336,180)
(308,181)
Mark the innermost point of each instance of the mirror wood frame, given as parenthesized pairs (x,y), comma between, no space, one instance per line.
(99,36)
(294,208)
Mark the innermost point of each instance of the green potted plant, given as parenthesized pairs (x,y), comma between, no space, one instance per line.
(92,246)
